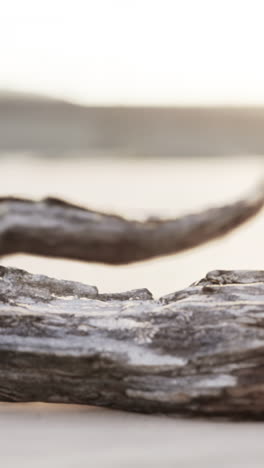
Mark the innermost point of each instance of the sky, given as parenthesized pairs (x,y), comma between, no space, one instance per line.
(169,52)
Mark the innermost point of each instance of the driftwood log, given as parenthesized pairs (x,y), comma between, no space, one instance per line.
(198,351)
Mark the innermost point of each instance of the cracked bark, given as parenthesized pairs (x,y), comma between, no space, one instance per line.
(198,351)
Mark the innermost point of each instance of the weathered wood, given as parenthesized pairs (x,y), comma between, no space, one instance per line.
(55,228)
(199,351)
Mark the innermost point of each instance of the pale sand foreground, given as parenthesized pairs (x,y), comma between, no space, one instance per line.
(37,435)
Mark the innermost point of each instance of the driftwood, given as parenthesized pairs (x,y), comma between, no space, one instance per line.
(55,228)
(198,351)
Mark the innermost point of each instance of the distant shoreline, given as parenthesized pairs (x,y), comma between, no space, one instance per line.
(49,126)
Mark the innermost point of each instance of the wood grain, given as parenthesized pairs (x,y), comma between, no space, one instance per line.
(199,351)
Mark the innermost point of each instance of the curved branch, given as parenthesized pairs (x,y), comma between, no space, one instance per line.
(55,228)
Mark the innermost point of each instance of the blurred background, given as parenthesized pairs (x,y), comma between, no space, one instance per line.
(143,107)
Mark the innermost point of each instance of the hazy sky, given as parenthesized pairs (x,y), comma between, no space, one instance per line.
(135,51)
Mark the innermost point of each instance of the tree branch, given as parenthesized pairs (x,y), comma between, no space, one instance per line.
(199,351)
(55,228)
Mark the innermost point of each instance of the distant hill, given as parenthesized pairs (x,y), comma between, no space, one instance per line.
(34,123)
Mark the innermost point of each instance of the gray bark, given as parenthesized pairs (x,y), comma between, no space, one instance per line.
(55,228)
(197,351)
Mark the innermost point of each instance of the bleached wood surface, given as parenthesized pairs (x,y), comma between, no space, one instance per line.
(198,351)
